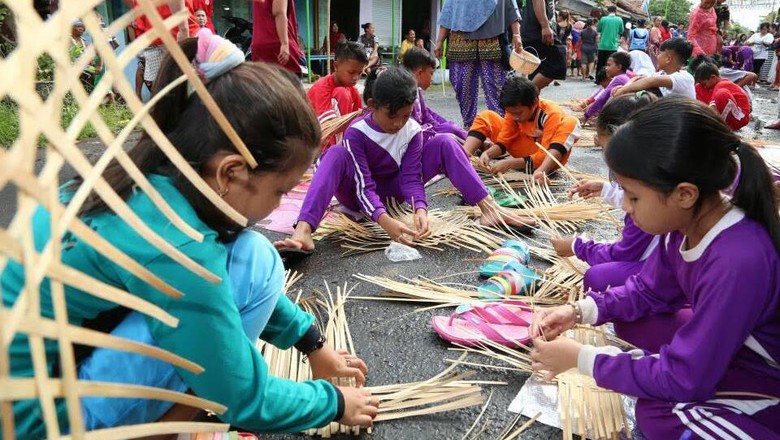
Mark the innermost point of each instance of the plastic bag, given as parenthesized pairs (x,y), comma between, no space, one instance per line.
(400,252)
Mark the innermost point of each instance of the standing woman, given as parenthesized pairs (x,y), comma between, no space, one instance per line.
(589,49)
(703,30)
(760,43)
(665,32)
(472,28)
(368,39)
(275,34)
(654,45)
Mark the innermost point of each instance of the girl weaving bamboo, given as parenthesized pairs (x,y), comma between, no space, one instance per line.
(218,323)
(719,376)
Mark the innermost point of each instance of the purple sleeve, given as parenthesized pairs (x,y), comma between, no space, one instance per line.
(439,123)
(603,97)
(691,366)
(631,247)
(411,179)
(355,142)
(654,290)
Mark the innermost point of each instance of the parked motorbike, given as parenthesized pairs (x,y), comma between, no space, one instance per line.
(240,34)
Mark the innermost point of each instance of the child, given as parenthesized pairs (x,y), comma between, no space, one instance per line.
(718,377)
(214,330)
(612,263)
(529,119)
(602,80)
(725,97)
(382,156)
(336,95)
(617,71)
(671,78)
(422,64)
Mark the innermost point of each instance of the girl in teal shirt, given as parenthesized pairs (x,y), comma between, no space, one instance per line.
(218,323)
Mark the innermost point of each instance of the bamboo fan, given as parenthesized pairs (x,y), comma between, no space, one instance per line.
(450,229)
(337,125)
(40,118)
(444,392)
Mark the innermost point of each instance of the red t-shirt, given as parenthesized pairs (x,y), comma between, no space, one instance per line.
(142,23)
(192,6)
(665,34)
(265,43)
(704,94)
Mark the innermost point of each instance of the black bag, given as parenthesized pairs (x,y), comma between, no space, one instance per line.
(505,41)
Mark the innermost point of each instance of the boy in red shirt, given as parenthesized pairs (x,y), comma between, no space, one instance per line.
(336,95)
(728,99)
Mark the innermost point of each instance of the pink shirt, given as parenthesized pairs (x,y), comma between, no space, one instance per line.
(703,30)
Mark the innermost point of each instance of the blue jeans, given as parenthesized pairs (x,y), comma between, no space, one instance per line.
(256,277)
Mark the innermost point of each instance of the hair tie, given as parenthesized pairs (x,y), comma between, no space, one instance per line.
(735,183)
(216,55)
(736,147)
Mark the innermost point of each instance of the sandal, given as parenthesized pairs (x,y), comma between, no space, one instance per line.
(512,255)
(472,325)
(509,283)
(773,126)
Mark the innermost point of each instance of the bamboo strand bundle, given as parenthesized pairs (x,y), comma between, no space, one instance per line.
(444,392)
(336,125)
(450,229)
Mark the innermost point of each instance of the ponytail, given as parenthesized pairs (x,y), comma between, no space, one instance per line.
(753,193)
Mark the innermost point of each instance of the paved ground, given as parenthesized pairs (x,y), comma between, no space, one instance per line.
(399,345)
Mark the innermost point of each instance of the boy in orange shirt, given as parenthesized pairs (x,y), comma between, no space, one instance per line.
(529,120)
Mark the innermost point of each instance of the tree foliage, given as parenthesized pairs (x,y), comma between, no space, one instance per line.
(676,11)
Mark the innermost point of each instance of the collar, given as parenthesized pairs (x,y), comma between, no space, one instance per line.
(732,217)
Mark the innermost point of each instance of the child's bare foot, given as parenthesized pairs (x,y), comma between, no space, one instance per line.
(494,215)
(299,242)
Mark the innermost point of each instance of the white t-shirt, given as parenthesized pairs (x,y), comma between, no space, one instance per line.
(760,51)
(682,84)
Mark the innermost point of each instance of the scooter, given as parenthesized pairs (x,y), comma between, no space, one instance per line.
(240,34)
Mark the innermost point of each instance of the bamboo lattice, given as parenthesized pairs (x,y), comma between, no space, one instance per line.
(446,391)
(450,229)
(38,117)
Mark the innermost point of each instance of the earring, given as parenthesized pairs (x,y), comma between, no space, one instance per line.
(223,192)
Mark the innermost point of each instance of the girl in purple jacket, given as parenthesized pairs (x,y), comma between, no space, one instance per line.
(382,156)
(719,376)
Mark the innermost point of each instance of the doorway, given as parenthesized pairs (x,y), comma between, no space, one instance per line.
(347,14)
(416,14)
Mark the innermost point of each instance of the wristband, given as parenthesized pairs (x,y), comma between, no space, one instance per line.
(577,312)
(311,341)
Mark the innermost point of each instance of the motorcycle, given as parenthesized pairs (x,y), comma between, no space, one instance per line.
(240,34)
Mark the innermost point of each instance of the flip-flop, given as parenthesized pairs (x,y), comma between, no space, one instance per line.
(507,312)
(472,330)
(510,256)
(509,283)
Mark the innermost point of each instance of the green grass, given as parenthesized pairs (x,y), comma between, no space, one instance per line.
(115,117)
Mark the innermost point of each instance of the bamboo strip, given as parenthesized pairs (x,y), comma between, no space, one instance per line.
(152,429)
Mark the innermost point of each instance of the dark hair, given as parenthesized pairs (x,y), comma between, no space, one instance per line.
(394,88)
(681,47)
(763,25)
(416,58)
(700,59)
(351,50)
(265,105)
(704,71)
(518,91)
(611,8)
(665,23)
(622,58)
(409,31)
(620,108)
(365,26)
(641,22)
(697,149)
(601,75)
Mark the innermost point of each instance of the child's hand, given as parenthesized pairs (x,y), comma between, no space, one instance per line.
(550,322)
(541,178)
(484,159)
(554,357)
(359,407)
(501,166)
(617,91)
(396,230)
(421,223)
(562,246)
(587,189)
(327,363)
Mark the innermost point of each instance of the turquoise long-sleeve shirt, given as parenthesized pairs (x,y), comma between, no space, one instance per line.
(209,331)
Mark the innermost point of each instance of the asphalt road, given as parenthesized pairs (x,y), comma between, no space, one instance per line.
(398,344)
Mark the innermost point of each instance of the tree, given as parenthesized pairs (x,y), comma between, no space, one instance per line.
(676,11)
(738,28)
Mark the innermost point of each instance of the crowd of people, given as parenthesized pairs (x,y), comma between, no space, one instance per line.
(692,283)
